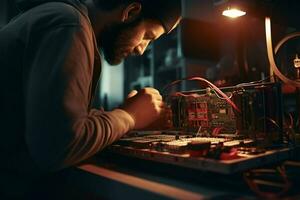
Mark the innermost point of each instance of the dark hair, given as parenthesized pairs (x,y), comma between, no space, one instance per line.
(168,12)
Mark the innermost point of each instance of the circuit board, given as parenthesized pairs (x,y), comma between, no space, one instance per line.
(214,154)
(204,112)
(231,133)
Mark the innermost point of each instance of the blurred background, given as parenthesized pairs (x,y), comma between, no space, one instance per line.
(206,44)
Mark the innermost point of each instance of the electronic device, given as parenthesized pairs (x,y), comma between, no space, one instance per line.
(205,112)
(210,133)
(219,155)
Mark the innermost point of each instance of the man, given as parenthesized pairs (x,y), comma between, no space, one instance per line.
(49,70)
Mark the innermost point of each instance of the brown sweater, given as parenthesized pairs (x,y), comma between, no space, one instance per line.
(49,66)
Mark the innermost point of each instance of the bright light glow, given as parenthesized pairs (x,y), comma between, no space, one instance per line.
(233,13)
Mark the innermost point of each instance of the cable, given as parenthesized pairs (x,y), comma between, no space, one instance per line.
(285,39)
(199,131)
(230,96)
(216,131)
(185,95)
(271,56)
(209,84)
(270,120)
(194,95)
(254,183)
(253,82)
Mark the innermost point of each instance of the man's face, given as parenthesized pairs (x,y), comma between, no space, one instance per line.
(122,40)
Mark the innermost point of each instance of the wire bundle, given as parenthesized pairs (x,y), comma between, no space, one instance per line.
(211,85)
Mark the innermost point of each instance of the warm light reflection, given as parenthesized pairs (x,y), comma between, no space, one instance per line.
(233,13)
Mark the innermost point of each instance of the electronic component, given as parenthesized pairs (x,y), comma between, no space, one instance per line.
(204,112)
(223,130)
(217,154)
(181,144)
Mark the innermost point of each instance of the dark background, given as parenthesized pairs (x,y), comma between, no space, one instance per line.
(206,44)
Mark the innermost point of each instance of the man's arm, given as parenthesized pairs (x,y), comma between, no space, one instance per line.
(60,130)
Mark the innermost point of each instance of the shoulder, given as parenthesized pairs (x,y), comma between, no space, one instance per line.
(55,14)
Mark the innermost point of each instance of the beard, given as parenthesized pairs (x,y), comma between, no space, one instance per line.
(112,39)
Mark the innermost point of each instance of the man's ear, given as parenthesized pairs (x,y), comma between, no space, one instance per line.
(131,12)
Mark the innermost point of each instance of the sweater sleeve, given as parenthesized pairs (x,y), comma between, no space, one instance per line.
(60,129)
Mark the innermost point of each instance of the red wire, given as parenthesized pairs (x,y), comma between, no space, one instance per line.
(210,84)
(268,195)
(185,95)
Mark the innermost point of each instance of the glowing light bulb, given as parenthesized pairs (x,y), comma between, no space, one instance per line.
(233,13)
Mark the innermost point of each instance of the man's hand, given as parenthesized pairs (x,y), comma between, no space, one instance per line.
(144,106)
(164,121)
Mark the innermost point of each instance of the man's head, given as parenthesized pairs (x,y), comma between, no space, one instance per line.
(138,22)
